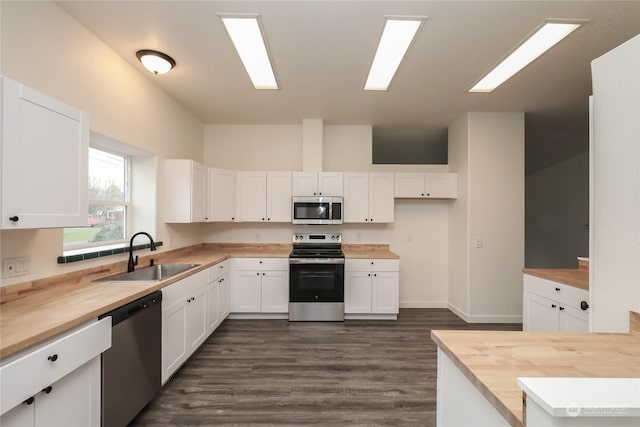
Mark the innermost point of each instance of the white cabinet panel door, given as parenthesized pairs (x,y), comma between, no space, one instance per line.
(356,197)
(246,295)
(305,184)
(197,319)
(279,196)
(541,314)
(174,338)
(251,196)
(330,184)
(222,195)
(275,292)
(381,203)
(385,292)
(357,292)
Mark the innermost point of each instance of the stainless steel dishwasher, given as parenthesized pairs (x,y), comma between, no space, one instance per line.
(131,367)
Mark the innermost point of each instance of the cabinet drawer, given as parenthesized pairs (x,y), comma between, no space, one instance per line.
(180,289)
(372,265)
(261,263)
(564,294)
(218,270)
(29,374)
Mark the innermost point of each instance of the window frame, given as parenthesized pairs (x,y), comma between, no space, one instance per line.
(109,204)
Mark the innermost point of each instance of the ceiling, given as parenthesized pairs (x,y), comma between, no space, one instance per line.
(322,50)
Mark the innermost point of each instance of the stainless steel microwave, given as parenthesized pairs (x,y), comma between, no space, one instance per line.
(317,210)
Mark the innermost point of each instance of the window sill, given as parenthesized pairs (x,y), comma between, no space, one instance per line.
(99,252)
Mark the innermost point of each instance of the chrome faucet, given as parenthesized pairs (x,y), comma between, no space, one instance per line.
(132,263)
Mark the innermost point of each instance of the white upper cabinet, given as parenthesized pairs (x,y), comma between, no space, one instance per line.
(317,184)
(186,191)
(368,197)
(44,157)
(426,185)
(263,196)
(222,195)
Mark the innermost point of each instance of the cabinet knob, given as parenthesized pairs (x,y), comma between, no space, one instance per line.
(584,305)
(221,280)
(268,219)
(375,275)
(233,218)
(257,274)
(319,194)
(422,194)
(30,400)
(428,194)
(14,218)
(366,219)
(561,308)
(553,306)
(371,262)
(369,274)
(53,357)
(47,390)
(557,289)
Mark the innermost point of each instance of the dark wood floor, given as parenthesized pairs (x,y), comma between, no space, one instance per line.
(276,373)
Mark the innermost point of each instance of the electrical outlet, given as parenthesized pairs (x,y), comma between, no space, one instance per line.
(359,237)
(479,242)
(257,237)
(409,239)
(14,267)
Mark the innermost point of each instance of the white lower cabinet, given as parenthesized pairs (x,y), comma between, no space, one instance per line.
(217,295)
(260,285)
(57,384)
(371,286)
(184,321)
(554,307)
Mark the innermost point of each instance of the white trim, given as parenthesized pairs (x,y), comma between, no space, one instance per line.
(485,318)
(257,316)
(370,316)
(424,304)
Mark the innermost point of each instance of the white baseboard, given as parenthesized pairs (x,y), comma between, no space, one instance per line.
(424,304)
(258,316)
(484,318)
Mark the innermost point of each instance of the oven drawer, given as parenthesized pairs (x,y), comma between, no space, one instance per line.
(261,263)
(372,265)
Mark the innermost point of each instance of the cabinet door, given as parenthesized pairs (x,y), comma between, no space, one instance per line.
(540,314)
(222,195)
(409,185)
(384,288)
(246,295)
(304,184)
(174,338)
(223,296)
(330,184)
(213,306)
(196,319)
(23,415)
(279,196)
(45,156)
(441,185)
(381,202)
(73,400)
(356,197)
(573,320)
(275,292)
(357,292)
(251,196)
(198,193)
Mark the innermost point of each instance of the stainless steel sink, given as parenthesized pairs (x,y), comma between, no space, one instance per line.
(152,273)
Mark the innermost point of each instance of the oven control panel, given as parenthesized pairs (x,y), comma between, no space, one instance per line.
(313,238)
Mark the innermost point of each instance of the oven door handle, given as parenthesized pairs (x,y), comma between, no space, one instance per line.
(316,260)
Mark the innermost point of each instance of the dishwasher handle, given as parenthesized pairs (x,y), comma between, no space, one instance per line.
(131,309)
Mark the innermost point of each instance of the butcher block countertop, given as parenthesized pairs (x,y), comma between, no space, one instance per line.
(576,277)
(368,251)
(493,360)
(34,311)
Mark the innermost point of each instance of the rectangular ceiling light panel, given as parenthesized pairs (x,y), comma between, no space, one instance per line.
(545,38)
(246,35)
(396,38)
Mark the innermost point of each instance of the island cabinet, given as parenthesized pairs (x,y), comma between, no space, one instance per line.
(58,383)
(184,320)
(185,187)
(218,295)
(550,306)
(263,196)
(44,161)
(317,184)
(371,287)
(426,185)
(260,285)
(222,195)
(368,197)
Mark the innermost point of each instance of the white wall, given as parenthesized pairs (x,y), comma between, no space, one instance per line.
(420,231)
(492,151)
(557,209)
(46,49)
(615,231)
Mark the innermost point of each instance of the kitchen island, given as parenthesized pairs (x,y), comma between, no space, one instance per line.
(479,370)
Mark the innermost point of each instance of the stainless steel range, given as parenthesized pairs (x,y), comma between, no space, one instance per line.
(316,278)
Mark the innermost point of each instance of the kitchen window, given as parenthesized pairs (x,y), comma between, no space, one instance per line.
(108,214)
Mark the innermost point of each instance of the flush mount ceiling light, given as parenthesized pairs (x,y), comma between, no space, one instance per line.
(541,41)
(154,61)
(396,38)
(246,34)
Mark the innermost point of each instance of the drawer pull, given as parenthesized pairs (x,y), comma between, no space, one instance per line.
(30,400)
(47,390)
(53,357)
(553,306)
(561,308)
(557,289)
(584,305)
